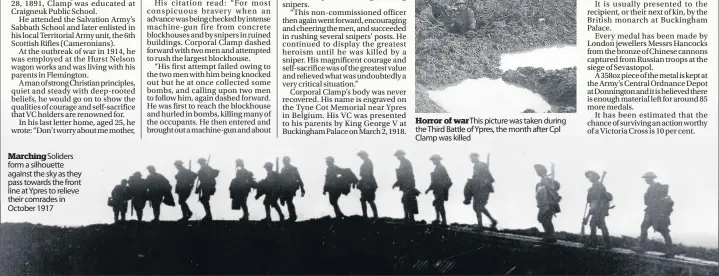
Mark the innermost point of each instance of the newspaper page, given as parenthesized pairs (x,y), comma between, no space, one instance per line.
(480,137)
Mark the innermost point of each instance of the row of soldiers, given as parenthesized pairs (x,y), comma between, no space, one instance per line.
(280,188)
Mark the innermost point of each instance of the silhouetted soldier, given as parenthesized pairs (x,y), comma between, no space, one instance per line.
(157,186)
(119,197)
(656,215)
(406,184)
(138,189)
(439,185)
(291,182)
(332,185)
(206,189)
(547,201)
(240,188)
(598,199)
(271,189)
(185,181)
(478,188)
(367,184)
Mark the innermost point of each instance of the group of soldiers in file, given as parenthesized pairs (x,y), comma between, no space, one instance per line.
(281,187)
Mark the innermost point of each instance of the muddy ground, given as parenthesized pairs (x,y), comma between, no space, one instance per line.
(321,246)
(444,58)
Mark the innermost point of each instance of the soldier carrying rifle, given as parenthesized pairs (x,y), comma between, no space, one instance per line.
(478,189)
(439,185)
(185,181)
(206,189)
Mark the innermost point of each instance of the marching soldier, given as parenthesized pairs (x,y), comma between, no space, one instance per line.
(271,189)
(439,185)
(206,189)
(548,198)
(138,189)
(406,184)
(240,188)
(598,199)
(185,181)
(656,215)
(291,182)
(367,184)
(118,199)
(478,188)
(157,187)
(332,185)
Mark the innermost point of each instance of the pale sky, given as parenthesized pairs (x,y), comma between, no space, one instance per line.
(689,169)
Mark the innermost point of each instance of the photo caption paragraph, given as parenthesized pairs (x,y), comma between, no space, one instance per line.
(344,70)
(71,69)
(636,77)
(39,182)
(451,129)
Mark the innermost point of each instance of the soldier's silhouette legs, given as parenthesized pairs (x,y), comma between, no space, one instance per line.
(268,215)
(279,211)
(156,204)
(599,222)
(182,199)
(364,208)
(138,204)
(372,205)
(291,208)
(437,203)
(205,200)
(442,213)
(334,201)
(116,213)
(545,218)
(245,212)
(275,206)
(661,227)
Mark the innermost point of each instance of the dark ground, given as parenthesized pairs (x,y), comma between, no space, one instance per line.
(444,58)
(321,246)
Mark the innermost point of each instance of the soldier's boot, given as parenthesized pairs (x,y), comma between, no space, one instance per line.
(282,216)
(670,251)
(494,224)
(139,215)
(292,212)
(245,214)
(268,215)
(156,214)
(338,212)
(374,209)
(364,209)
(444,217)
(642,246)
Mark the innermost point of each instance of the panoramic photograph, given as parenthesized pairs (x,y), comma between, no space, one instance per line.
(495,56)
(497,206)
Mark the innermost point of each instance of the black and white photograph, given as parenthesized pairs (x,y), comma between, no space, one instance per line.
(495,207)
(495,56)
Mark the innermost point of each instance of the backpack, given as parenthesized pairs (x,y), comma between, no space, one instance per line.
(346,180)
(667,204)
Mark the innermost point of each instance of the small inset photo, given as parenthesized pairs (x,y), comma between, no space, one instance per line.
(496,56)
